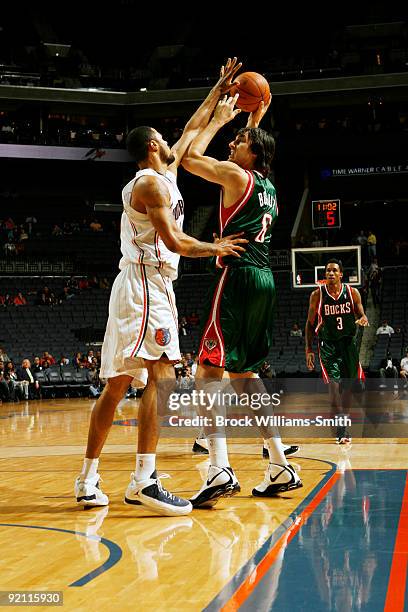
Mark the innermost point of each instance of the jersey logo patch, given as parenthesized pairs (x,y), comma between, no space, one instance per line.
(210,344)
(162,336)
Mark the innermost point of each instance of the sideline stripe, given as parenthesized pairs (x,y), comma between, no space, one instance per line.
(115,552)
(243,576)
(250,583)
(398,574)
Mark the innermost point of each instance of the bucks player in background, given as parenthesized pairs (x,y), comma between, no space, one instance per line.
(237,332)
(338,310)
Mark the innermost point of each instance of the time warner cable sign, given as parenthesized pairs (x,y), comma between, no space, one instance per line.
(365,170)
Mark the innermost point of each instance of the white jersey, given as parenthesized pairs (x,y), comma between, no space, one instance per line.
(140,242)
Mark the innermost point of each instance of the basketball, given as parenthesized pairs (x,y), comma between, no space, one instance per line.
(253,88)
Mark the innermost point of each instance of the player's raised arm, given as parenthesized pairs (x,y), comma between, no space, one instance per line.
(256,117)
(358,308)
(309,329)
(203,113)
(207,167)
(154,196)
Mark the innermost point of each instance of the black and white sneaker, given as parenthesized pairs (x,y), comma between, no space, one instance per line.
(200,446)
(151,494)
(288,451)
(342,436)
(277,479)
(88,492)
(220,482)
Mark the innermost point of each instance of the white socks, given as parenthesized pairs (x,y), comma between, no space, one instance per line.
(145,466)
(89,469)
(275,450)
(217,449)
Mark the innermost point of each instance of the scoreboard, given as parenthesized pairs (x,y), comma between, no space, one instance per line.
(326,214)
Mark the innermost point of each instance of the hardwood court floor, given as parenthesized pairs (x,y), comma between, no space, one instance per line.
(122,558)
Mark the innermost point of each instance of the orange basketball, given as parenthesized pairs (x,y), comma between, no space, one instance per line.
(252,89)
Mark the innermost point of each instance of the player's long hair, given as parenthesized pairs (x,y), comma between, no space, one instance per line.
(138,140)
(263,145)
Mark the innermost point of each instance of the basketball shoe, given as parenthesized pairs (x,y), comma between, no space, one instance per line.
(88,493)
(151,494)
(200,446)
(220,482)
(342,436)
(288,451)
(277,479)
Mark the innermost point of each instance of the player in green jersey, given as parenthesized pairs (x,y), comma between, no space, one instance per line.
(237,332)
(338,309)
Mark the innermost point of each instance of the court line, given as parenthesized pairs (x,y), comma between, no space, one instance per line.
(394,600)
(115,552)
(241,582)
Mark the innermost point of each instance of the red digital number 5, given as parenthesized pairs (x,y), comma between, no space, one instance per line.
(330,218)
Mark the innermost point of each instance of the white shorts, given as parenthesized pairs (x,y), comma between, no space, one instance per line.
(142,323)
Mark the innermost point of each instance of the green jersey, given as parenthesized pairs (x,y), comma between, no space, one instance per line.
(336,314)
(255,213)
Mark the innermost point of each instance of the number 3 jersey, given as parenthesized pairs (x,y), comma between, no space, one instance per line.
(335,314)
(254,214)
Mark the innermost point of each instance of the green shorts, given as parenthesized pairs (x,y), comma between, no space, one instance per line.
(238,319)
(339,360)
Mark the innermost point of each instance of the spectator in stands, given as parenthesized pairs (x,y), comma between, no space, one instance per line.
(19,300)
(10,248)
(93,282)
(90,356)
(362,241)
(104,283)
(184,329)
(6,300)
(186,384)
(72,284)
(266,371)
(36,367)
(24,373)
(63,361)
(95,226)
(296,331)
(375,277)
(17,388)
(193,319)
(47,357)
(4,387)
(56,230)
(404,368)
(65,295)
(3,355)
(372,245)
(389,369)
(83,283)
(77,361)
(385,329)
(31,221)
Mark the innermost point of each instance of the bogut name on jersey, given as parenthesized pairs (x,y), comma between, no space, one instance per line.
(266,199)
(336,309)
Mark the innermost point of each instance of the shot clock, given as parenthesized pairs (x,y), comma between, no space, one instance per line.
(326,214)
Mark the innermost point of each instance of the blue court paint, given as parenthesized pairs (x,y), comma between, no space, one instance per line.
(115,552)
(223,597)
(341,558)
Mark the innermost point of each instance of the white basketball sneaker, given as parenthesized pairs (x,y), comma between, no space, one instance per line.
(220,482)
(151,494)
(88,493)
(277,479)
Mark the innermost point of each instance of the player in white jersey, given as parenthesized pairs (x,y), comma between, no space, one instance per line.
(142,329)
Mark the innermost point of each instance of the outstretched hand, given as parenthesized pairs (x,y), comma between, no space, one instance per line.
(255,117)
(227,74)
(229,245)
(225,111)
